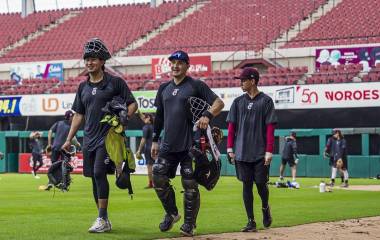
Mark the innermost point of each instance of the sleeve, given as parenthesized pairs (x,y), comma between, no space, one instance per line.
(328,145)
(125,93)
(78,105)
(205,92)
(294,146)
(159,120)
(231,135)
(232,114)
(270,137)
(54,127)
(343,148)
(145,132)
(270,114)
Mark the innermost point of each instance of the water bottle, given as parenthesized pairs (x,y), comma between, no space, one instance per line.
(322,187)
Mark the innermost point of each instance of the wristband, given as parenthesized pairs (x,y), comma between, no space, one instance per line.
(208,115)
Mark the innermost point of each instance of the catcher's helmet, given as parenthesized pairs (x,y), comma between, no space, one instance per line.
(206,172)
(123,181)
(97,49)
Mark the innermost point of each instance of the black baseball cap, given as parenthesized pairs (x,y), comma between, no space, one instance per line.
(293,134)
(180,55)
(68,114)
(249,73)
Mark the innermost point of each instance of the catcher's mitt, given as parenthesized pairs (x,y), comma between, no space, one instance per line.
(59,172)
(217,135)
(339,163)
(138,155)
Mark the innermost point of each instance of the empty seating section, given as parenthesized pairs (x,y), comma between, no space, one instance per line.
(117,26)
(14,27)
(230,25)
(373,75)
(216,79)
(335,74)
(350,22)
(32,86)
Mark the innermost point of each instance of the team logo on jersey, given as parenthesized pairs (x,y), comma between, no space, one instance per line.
(175,91)
(250,106)
(94,91)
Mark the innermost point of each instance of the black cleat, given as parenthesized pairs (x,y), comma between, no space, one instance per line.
(187,229)
(168,222)
(267,217)
(251,226)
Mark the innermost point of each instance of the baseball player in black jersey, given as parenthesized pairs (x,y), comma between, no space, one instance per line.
(171,116)
(61,130)
(336,148)
(289,156)
(250,142)
(92,95)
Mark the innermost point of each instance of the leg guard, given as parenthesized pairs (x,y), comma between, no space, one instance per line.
(162,186)
(191,200)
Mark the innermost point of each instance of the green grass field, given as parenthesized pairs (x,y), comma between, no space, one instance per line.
(26,213)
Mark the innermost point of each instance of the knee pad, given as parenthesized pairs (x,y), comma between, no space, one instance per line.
(190,185)
(160,178)
(187,172)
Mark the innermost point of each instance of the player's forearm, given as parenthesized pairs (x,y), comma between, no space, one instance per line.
(158,124)
(75,125)
(216,107)
(142,144)
(50,133)
(132,109)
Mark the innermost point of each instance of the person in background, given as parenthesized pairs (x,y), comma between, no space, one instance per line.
(289,156)
(146,145)
(37,150)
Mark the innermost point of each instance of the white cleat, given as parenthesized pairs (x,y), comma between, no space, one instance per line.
(100,225)
(37,177)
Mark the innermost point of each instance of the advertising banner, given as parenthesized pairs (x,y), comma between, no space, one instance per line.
(37,70)
(10,106)
(199,64)
(25,163)
(142,169)
(350,95)
(367,56)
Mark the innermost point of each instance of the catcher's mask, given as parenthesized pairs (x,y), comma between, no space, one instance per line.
(97,49)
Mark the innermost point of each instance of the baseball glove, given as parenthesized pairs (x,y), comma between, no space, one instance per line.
(48,150)
(217,135)
(339,163)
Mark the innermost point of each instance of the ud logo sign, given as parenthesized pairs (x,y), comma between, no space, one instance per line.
(50,104)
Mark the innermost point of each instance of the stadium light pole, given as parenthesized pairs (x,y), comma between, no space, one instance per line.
(7,6)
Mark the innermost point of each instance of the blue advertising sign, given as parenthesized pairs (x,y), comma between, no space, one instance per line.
(10,106)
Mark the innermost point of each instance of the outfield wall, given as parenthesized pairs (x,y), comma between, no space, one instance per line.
(363,162)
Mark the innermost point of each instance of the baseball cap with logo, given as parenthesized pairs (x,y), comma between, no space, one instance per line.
(249,73)
(180,55)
